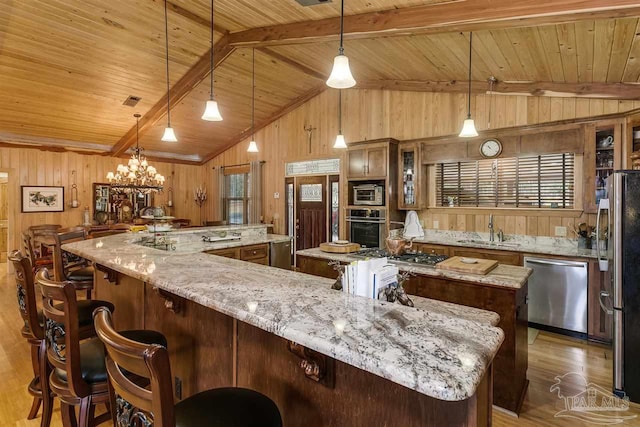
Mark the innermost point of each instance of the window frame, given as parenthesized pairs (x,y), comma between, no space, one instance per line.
(245,200)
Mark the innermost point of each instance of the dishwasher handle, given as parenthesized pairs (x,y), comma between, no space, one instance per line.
(557,263)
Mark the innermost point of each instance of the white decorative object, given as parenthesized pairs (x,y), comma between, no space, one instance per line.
(311,192)
(313,167)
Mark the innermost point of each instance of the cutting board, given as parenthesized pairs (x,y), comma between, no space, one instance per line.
(339,249)
(482,266)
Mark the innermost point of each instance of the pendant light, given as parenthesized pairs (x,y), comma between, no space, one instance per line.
(253,147)
(469,127)
(211,112)
(169,134)
(340,142)
(341,77)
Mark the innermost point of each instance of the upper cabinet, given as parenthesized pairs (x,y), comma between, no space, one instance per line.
(410,177)
(602,155)
(368,161)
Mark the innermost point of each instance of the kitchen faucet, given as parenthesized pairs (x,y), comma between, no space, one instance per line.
(491,236)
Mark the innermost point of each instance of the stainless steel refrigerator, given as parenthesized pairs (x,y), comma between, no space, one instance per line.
(620,254)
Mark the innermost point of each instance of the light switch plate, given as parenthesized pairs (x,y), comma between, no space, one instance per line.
(436,224)
(561,231)
(276,195)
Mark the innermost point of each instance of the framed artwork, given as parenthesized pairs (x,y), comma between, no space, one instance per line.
(42,199)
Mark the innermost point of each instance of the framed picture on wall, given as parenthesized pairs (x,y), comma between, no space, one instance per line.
(42,199)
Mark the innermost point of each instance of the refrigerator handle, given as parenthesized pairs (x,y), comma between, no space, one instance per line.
(602,206)
(605,294)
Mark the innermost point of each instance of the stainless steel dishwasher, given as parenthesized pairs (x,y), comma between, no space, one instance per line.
(280,254)
(558,294)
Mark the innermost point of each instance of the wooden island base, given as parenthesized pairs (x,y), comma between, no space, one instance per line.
(209,349)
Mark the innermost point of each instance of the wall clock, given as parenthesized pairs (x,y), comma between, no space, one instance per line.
(491,148)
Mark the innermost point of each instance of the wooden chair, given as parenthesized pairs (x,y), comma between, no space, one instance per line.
(237,407)
(37,261)
(70,267)
(40,231)
(105,233)
(34,333)
(79,375)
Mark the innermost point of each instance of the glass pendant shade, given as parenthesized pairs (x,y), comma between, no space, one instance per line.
(253,147)
(169,135)
(468,129)
(341,77)
(211,112)
(340,142)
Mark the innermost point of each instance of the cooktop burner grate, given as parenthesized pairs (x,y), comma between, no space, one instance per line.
(410,257)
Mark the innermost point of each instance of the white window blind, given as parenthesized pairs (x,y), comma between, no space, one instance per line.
(545,181)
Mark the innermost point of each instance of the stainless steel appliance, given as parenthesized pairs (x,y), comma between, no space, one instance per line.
(368,194)
(622,209)
(429,260)
(280,254)
(368,227)
(558,292)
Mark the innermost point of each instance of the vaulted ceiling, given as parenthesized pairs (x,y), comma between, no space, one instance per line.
(66,66)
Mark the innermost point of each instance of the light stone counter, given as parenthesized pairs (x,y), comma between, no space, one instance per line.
(435,353)
(503,276)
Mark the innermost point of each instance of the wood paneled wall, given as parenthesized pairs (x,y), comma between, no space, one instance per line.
(35,167)
(371,114)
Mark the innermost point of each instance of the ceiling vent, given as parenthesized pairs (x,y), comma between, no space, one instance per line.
(312,2)
(131,101)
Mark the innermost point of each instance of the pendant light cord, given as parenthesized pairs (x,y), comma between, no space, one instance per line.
(341,50)
(211,72)
(166,41)
(469,100)
(137,133)
(253,91)
(340,112)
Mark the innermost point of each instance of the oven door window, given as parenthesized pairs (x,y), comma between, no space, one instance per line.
(366,234)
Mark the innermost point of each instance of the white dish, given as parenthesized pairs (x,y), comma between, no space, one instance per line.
(341,242)
(468,260)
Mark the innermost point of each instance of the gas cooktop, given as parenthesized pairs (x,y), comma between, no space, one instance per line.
(428,260)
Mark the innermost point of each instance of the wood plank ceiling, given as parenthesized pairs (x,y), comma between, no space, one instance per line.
(66,66)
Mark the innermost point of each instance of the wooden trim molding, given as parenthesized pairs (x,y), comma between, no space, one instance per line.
(110,275)
(172,302)
(564,213)
(316,366)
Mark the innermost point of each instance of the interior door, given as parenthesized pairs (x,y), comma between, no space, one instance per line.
(311,212)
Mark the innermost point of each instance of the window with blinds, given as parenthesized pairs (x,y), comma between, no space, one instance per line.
(545,181)
(236,198)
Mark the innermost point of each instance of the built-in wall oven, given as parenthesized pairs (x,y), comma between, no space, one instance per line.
(368,227)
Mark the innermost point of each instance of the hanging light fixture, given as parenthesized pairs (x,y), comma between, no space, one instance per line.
(169,134)
(253,147)
(138,176)
(340,142)
(341,77)
(211,112)
(469,127)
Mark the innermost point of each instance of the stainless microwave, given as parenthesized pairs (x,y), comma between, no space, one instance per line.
(368,194)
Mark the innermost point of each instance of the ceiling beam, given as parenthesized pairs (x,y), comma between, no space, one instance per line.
(295,64)
(297,102)
(458,15)
(179,10)
(192,78)
(626,91)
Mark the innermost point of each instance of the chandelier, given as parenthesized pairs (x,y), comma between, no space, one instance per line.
(138,176)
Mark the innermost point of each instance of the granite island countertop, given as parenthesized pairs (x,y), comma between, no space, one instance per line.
(433,352)
(503,276)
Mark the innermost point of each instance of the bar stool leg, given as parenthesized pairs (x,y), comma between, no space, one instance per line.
(68,415)
(85,412)
(47,398)
(35,405)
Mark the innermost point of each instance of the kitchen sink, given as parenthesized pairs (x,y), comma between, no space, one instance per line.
(491,244)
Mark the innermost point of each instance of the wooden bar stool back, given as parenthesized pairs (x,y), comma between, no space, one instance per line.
(42,232)
(70,267)
(33,331)
(37,261)
(237,407)
(78,376)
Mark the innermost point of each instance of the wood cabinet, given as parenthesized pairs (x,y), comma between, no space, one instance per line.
(431,249)
(503,257)
(411,189)
(368,161)
(257,254)
(602,155)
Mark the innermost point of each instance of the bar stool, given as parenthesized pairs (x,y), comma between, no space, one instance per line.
(34,333)
(79,375)
(229,406)
(70,267)
(37,261)
(42,232)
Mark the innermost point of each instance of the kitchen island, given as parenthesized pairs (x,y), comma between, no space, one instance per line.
(367,362)
(503,290)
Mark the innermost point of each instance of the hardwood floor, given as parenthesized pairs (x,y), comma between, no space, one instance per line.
(549,356)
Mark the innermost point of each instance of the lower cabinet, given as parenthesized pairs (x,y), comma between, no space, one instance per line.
(600,324)
(426,248)
(257,254)
(503,257)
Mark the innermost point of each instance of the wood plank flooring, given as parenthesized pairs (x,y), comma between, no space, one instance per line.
(549,356)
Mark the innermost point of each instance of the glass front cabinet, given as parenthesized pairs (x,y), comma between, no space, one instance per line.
(411,191)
